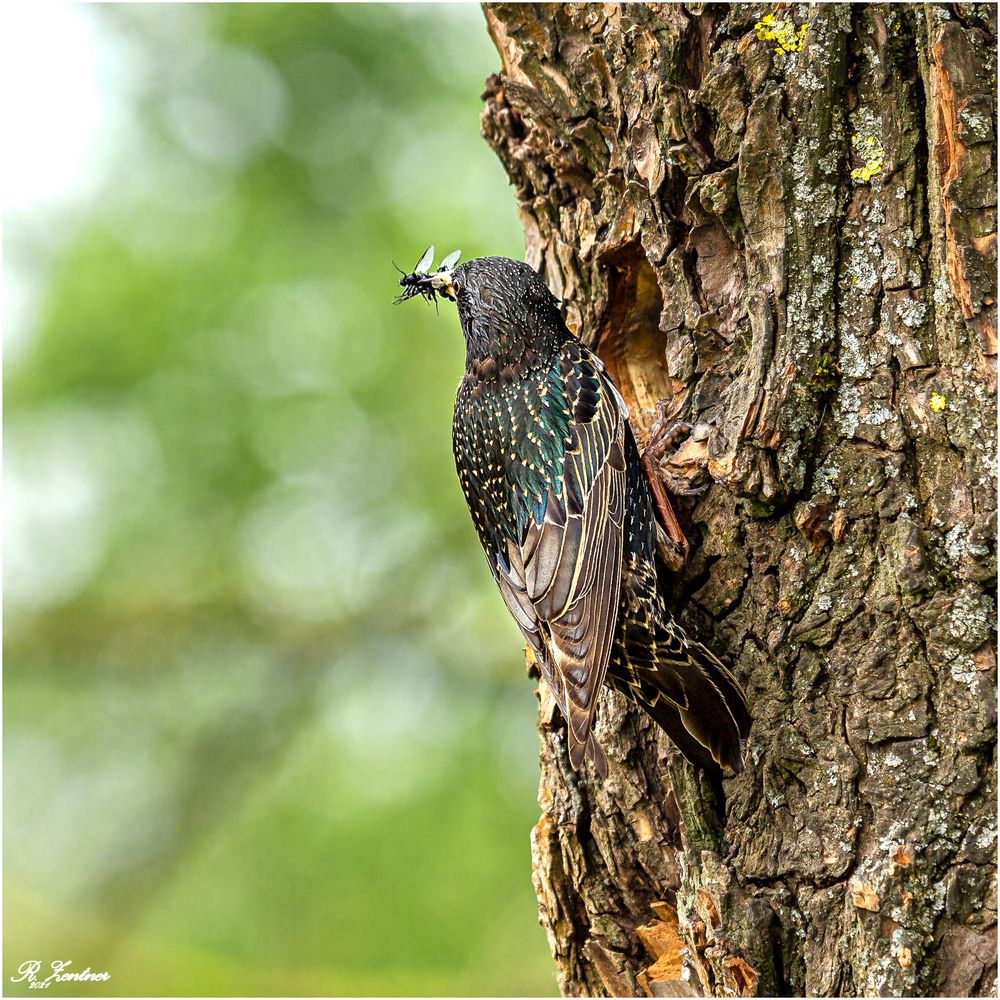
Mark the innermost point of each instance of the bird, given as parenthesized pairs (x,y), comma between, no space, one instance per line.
(559,498)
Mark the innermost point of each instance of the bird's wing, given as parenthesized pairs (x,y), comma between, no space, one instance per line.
(562,580)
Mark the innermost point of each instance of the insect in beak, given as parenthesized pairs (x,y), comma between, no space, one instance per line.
(443,282)
(426,283)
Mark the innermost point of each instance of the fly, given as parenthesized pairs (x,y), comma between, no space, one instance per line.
(420,281)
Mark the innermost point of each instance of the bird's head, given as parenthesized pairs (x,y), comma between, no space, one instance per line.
(505,307)
(495,289)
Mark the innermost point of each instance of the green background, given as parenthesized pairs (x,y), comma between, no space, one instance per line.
(266,724)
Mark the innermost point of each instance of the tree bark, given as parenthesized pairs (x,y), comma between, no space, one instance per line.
(788,237)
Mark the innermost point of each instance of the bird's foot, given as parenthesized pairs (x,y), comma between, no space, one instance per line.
(680,452)
(665,432)
(663,436)
(676,464)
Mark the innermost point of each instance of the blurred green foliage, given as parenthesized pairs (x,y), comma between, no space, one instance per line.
(266,727)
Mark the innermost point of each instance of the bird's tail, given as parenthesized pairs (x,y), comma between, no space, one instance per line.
(592,750)
(695,699)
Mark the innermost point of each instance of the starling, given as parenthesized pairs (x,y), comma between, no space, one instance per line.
(560,501)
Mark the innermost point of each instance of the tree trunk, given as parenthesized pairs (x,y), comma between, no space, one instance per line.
(786,232)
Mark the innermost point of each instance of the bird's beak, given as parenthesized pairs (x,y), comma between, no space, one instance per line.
(444,282)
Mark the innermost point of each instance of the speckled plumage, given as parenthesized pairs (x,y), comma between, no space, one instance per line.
(554,482)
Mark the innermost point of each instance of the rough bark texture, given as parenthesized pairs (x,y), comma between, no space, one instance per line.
(685,183)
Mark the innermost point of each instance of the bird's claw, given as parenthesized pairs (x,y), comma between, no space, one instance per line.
(674,549)
(666,434)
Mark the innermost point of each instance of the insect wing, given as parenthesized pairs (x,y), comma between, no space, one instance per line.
(425,261)
(450,261)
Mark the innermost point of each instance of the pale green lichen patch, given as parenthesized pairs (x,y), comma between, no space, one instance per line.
(866,142)
(846,412)
(912,312)
(786,37)
(869,148)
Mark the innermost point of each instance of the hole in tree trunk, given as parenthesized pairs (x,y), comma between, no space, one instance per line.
(630,341)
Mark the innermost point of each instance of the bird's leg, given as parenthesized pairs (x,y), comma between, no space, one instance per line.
(662,437)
